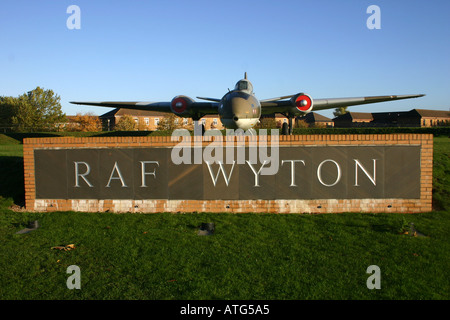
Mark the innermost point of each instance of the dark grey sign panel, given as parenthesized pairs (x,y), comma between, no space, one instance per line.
(402,172)
(185,181)
(338,172)
(51,174)
(150,174)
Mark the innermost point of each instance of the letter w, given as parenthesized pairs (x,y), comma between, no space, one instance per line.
(221,169)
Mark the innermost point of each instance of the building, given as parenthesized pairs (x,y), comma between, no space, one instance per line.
(353,119)
(412,118)
(385,119)
(424,118)
(314,119)
(149,120)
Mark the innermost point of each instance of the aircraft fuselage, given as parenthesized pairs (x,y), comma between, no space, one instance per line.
(240,109)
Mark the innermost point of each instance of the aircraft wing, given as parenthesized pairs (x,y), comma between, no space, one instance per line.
(200,108)
(270,106)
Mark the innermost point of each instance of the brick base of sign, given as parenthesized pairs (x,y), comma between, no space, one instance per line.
(422,203)
(233,206)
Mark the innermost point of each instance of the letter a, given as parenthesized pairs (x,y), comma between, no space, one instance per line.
(374,21)
(120,177)
(374,281)
(74,281)
(74,21)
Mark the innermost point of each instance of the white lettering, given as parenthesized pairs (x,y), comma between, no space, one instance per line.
(221,169)
(83,175)
(374,281)
(374,21)
(116,168)
(292,170)
(144,173)
(274,151)
(256,173)
(74,281)
(74,21)
(372,178)
(197,310)
(215,147)
(198,132)
(184,146)
(319,173)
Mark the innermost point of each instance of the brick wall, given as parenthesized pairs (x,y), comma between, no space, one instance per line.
(423,204)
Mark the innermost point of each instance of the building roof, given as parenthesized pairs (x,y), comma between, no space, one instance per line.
(355,116)
(361,115)
(432,113)
(315,117)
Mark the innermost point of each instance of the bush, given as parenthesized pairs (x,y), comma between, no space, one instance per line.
(126,123)
(169,123)
(267,123)
(87,122)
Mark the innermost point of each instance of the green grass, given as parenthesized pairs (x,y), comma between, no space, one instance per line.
(441,173)
(11,172)
(250,256)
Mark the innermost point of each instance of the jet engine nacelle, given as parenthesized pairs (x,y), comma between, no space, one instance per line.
(181,106)
(301,103)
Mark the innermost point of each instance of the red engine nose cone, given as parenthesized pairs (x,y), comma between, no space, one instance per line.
(303,102)
(179,105)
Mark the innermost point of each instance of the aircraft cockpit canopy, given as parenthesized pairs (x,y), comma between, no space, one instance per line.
(244,85)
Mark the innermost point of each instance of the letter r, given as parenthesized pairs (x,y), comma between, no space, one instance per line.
(82,175)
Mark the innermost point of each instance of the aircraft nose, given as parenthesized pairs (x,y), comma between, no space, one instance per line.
(241,108)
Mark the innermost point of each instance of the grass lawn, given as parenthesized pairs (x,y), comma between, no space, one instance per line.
(250,256)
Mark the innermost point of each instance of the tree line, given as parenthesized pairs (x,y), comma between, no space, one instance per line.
(40,110)
(35,110)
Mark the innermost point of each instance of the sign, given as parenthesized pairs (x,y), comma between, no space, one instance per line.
(304,172)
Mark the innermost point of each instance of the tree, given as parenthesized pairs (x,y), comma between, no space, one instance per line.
(301,123)
(37,110)
(189,125)
(141,125)
(87,122)
(126,123)
(340,111)
(6,111)
(169,122)
(267,123)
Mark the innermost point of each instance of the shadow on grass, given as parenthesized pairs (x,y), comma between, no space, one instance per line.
(11,177)
(384,228)
(19,136)
(388,227)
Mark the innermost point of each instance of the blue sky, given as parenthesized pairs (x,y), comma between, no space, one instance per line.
(154,50)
